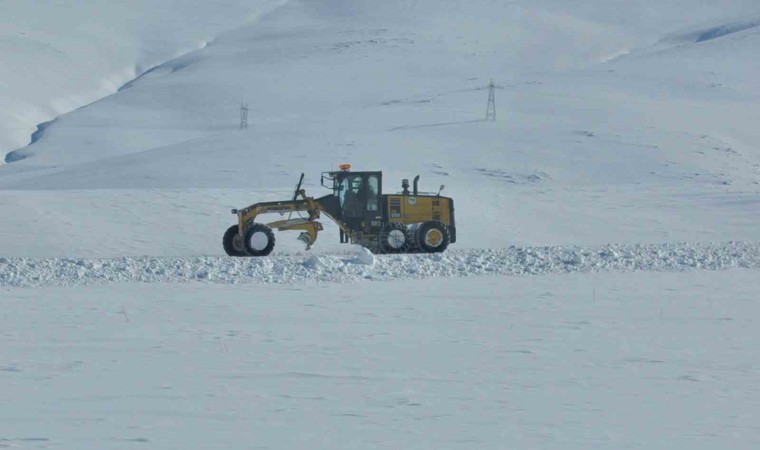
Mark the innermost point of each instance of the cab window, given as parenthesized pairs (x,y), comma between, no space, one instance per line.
(373,187)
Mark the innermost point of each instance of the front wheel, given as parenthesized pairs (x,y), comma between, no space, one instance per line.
(258,240)
(233,242)
(433,237)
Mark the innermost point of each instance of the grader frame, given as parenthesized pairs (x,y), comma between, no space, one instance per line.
(384,223)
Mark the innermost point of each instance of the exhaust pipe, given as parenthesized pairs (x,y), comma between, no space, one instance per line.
(416,180)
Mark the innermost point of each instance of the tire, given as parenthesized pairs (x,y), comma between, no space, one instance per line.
(258,240)
(394,238)
(232,243)
(433,237)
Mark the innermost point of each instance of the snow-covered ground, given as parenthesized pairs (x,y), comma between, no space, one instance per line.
(602,292)
(641,361)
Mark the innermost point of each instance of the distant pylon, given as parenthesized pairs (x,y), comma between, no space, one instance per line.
(244,116)
(491,109)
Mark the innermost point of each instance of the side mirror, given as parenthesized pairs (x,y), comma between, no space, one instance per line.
(441,189)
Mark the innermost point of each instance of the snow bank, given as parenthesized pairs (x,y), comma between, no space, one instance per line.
(28,272)
(365,257)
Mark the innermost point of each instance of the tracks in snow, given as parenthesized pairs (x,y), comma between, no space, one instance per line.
(26,272)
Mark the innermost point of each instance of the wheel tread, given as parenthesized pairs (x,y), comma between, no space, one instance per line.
(258,227)
(427,226)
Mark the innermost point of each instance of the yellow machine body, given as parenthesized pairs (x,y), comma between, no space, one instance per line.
(408,221)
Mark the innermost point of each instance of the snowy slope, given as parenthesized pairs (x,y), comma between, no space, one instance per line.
(59,55)
(314,78)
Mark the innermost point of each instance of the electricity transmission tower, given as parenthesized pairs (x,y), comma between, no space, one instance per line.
(244,116)
(491,109)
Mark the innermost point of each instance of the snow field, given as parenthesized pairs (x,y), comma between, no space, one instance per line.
(604,360)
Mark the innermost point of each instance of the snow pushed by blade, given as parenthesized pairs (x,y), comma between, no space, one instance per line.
(27,272)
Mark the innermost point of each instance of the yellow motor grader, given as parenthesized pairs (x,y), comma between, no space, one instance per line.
(405,222)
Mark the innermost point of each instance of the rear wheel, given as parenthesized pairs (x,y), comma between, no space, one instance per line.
(394,238)
(258,240)
(233,242)
(433,237)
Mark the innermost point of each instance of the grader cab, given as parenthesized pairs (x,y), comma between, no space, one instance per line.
(405,222)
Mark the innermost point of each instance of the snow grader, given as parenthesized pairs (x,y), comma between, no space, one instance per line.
(405,222)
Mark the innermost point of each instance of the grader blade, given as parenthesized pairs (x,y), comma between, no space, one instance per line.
(308,236)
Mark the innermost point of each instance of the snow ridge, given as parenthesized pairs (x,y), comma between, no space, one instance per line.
(28,272)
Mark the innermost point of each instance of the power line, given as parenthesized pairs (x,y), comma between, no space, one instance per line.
(491,109)
(244,116)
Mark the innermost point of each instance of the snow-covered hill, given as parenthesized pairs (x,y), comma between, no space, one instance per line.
(611,127)
(59,55)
